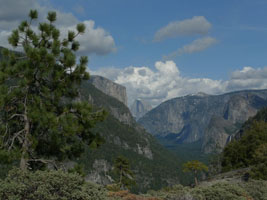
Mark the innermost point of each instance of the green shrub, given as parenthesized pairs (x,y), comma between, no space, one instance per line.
(220,191)
(176,192)
(256,188)
(48,185)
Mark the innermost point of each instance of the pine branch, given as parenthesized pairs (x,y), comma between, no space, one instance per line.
(16,135)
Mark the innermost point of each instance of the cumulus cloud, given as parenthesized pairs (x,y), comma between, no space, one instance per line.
(160,84)
(96,40)
(196,46)
(198,25)
(248,78)
(165,81)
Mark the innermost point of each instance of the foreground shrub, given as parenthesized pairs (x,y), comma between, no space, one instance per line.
(48,185)
(221,191)
(218,191)
(256,188)
(177,192)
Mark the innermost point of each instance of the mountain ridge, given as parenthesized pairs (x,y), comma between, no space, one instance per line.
(188,118)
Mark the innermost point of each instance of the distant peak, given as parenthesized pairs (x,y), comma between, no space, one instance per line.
(199,94)
(202,94)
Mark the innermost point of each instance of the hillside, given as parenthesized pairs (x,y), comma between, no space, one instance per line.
(153,165)
(248,147)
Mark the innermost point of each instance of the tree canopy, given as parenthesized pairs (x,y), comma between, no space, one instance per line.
(249,151)
(122,169)
(194,166)
(41,116)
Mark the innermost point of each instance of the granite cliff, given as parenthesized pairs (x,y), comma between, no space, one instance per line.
(110,88)
(139,108)
(211,119)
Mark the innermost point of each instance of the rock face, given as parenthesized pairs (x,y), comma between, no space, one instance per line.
(207,118)
(139,108)
(110,88)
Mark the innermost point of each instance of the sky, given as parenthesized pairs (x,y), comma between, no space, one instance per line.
(162,49)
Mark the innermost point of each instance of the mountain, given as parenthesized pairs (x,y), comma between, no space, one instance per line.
(154,166)
(139,108)
(110,88)
(208,119)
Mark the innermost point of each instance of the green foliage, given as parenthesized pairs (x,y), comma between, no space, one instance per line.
(215,164)
(255,190)
(220,191)
(176,192)
(48,185)
(195,167)
(249,150)
(122,169)
(79,169)
(39,118)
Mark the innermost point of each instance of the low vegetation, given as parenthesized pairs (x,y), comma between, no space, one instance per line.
(48,185)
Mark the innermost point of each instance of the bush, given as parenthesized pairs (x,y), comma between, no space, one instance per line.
(48,185)
(256,188)
(220,191)
(176,192)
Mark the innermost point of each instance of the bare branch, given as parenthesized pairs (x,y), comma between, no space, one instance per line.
(16,115)
(16,135)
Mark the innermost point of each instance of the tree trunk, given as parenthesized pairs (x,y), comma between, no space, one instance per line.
(120,183)
(26,142)
(196,182)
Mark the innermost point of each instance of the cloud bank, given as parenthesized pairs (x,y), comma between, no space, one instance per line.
(96,40)
(198,25)
(166,82)
(195,46)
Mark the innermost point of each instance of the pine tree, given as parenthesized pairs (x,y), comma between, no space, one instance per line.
(40,116)
(194,166)
(122,169)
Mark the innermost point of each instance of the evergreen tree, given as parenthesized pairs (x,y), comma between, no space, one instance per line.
(122,169)
(40,115)
(194,166)
(250,150)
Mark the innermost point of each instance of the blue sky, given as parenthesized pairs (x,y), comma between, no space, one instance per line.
(240,26)
(161,49)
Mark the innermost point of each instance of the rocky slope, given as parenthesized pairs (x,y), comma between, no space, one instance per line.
(154,166)
(110,88)
(139,108)
(210,119)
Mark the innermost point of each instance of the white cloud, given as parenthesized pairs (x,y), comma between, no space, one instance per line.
(166,82)
(196,46)
(96,40)
(158,85)
(198,25)
(248,78)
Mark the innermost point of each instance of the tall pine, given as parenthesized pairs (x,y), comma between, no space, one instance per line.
(41,120)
